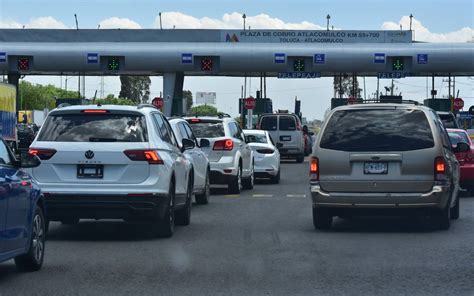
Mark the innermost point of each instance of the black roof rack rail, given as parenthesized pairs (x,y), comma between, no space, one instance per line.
(222,115)
(141,106)
(62,105)
(388,101)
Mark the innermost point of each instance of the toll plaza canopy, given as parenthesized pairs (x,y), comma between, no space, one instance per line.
(280,53)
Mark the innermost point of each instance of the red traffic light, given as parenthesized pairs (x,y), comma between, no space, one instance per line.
(23,64)
(207,65)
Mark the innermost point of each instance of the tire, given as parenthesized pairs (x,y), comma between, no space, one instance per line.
(203,198)
(248,183)
(442,218)
(235,185)
(455,210)
(70,221)
(300,158)
(33,260)
(322,220)
(275,179)
(165,226)
(183,216)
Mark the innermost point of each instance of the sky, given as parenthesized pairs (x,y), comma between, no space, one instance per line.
(434,21)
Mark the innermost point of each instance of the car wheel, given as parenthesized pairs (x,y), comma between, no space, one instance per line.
(235,185)
(300,158)
(455,210)
(250,181)
(70,221)
(183,216)
(33,260)
(203,198)
(275,179)
(322,219)
(443,217)
(165,226)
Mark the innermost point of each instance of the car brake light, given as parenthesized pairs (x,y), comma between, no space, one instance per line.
(95,111)
(314,169)
(223,145)
(265,151)
(440,169)
(43,154)
(195,120)
(144,155)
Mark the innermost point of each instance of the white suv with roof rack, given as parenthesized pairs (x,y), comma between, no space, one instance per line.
(113,162)
(230,157)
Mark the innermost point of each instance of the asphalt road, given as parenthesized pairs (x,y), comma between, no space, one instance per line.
(259,243)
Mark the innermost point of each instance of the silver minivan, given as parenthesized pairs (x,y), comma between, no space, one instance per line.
(286,131)
(377,159)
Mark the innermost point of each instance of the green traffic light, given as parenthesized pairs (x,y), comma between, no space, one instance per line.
(113,64)
(397,65)
(299,65)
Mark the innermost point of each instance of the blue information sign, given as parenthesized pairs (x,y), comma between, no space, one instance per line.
(92,58)
(186,58)
(379,58)
(320,58)
(280,58)
(3,57)
(422,59)
(391,75)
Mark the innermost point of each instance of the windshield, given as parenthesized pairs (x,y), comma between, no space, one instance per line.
(256,138)
(208,129)
(94,128)
(377,130)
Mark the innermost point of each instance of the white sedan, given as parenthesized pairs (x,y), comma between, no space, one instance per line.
(197,157)
(266,155)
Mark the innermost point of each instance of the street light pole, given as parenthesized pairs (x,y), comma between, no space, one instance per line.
(161,24)
(244,17)
(411,19)
(328,17)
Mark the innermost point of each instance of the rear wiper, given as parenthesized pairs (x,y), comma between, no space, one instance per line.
(94,139)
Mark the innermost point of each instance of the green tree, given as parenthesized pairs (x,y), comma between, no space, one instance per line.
(343,86)
(38,97)
(204,110)
(188,96)
(112,100)
(135,88)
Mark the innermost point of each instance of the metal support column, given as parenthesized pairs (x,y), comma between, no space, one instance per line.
(14,79)
(173,93)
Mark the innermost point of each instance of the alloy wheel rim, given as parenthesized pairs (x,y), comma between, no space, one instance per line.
(38,238)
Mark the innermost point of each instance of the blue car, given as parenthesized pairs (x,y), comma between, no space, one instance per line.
(22,215)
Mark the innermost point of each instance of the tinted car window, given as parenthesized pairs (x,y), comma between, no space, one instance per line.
(190,133)
(287,123)
(208,129)
(377,130)
(4,155)
(449,121)
(234,131)
(94,128)
(257,138)
(164,131)
(268,123)
(458,137)
(182,131)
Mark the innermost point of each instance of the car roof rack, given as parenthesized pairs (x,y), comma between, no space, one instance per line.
(387,101)
(62,105)
(222,115)
(141,106)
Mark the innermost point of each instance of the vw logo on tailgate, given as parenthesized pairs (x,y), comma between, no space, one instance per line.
(89,154)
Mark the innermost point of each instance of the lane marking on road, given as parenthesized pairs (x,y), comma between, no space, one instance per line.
(262,195)
(296,195)
(232,195)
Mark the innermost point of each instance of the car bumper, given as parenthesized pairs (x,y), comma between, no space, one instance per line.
(436,198)
(100,206)
(290,151)
(223,171)
(266,165)
(467,175)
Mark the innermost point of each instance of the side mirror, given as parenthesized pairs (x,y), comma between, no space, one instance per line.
(204,143)
(29,161)
(187,144)
(462,147)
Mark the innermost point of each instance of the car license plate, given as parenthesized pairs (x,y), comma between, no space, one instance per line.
(285,138)
(90,171)
(375,168)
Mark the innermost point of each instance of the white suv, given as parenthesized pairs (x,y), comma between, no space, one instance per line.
(230,157)
(113,162)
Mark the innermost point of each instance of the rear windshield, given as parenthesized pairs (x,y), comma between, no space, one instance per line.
(94,128)
(254,138)
(268,123)
(458,137)
(208,129)
(287,123)
(449,121)
(377,130)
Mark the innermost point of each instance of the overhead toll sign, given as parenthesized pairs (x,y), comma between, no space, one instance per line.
(3,57)
(280,58)
(322,36)
(422,59)
(92,58)
(186,58)
(379,58)
(298,75)
(320,58)
(392,75)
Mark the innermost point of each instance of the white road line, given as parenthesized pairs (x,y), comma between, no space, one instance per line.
(232,195)
(262,195)
(296,195)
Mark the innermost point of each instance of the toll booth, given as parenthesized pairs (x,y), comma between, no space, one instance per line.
(438,104)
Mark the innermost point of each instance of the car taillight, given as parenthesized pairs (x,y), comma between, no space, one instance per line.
(43,154)
(223,145)
(95,111)
(440,169)
(195,120)
(314,169)
(144,155)
(265,151)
